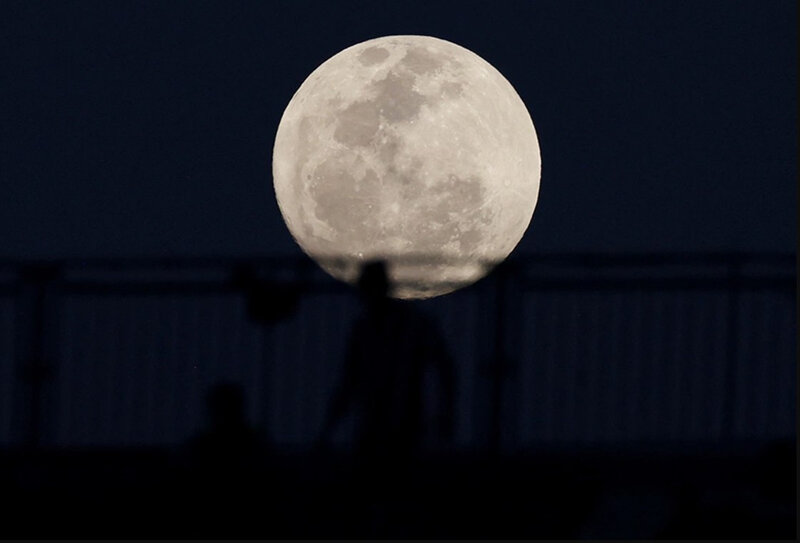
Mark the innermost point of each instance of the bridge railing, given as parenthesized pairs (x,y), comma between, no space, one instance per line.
(551,349)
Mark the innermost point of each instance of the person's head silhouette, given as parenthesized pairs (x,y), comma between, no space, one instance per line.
(373,283)
(225,403)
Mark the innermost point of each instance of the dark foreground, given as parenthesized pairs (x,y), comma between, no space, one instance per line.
(650,492)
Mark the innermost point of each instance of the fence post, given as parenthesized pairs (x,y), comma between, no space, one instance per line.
(34,368)
(730,395)
(497,366)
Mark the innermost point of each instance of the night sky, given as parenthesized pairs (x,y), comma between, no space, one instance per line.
(143,129)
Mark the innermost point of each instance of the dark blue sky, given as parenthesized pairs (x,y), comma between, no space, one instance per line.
(147,128)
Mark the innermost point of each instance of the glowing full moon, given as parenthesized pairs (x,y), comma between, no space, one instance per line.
(412,149)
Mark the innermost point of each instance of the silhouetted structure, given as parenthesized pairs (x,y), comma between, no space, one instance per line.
(607,358)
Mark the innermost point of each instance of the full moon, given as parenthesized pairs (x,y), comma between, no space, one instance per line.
(410,149)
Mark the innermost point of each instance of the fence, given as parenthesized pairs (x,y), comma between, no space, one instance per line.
(549,349)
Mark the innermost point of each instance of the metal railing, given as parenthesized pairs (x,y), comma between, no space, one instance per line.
(550,349)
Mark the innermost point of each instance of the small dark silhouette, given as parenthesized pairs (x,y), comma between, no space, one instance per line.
(225,464)
(391,347)
(227,433)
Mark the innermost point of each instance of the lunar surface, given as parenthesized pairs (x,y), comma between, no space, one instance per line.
(412,149)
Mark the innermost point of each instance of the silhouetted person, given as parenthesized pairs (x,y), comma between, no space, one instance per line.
(227,433)
(226,464)
(391,346)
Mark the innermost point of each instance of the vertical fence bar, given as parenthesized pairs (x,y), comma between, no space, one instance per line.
(731,353)
(34,316)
